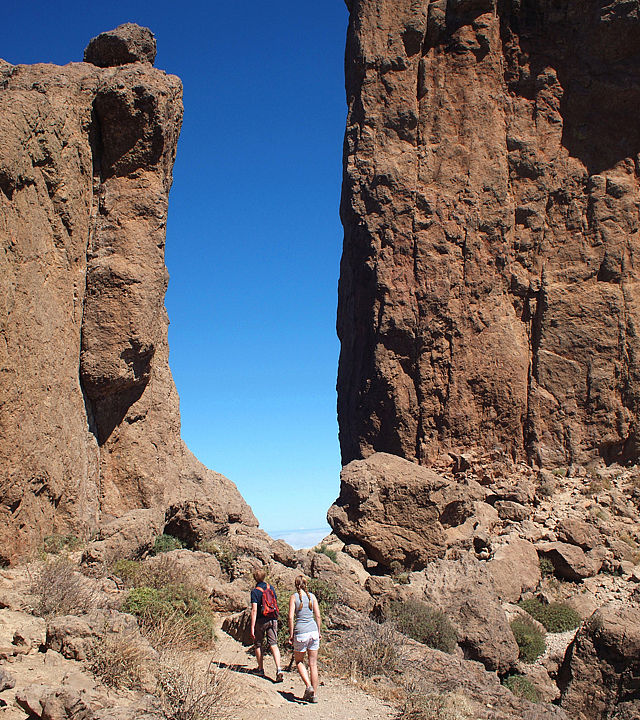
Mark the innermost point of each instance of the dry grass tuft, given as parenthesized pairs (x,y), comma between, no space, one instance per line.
(421,705)
(365,651)
(59,589)
(119,661)
(192,691)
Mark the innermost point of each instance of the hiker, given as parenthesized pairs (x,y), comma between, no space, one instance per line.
(304,634)
(264,621)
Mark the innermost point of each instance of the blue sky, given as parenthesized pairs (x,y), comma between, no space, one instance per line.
(253,239)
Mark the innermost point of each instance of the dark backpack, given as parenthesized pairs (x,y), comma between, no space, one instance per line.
(269,603)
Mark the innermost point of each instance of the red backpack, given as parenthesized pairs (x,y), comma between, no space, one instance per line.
(269,603)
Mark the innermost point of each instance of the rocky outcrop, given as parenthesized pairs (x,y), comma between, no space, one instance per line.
(488,289)
(602,668)
(89,421)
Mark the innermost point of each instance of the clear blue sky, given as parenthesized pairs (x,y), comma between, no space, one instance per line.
(254,238)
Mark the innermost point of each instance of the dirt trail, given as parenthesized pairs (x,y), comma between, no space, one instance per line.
(261,697)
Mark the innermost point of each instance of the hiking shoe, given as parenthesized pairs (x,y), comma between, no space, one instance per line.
(258,672)
(314,699)
(279,676)
(309,695)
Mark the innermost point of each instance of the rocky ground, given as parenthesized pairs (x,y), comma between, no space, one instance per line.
(500,534)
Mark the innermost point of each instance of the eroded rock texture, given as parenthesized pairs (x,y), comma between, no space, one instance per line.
(89,414)
(489,287)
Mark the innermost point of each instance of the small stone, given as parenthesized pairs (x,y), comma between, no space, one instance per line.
(128,43)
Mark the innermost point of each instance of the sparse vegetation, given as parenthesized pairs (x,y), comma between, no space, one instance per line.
(223,553)
(60,590)
(366,650)
(326,594)
(189,691)
(529,638)
(423,623)
(546,566)
(596,485)
(556,617)
(421,705)
(398,573)
(118,660)
(56,544)
(166,543)
(522,687)
(324,550)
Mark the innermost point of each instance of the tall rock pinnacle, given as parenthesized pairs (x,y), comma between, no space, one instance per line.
(89,414)
(489,281)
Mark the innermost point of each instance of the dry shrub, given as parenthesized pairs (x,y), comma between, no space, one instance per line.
(421,705)
(118,660)
(364,651)
(426,624)
(178,632)
(156,574)
(60,590)
(194,691)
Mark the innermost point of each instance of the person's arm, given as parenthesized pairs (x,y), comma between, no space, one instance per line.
(316,614)
(254,615)
(292,612)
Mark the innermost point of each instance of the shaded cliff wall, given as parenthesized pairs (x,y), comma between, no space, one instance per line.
(489,280)
(89,414)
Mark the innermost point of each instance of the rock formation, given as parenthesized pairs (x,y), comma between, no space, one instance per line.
(488,289)
(89,420)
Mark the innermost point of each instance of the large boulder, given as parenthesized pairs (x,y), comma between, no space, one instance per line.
(570,561)
(515,569)
(464,590)
(396,510)
(601,674)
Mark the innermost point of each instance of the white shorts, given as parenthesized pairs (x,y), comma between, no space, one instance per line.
(306,641)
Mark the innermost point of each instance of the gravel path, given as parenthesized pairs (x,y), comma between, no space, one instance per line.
(261,697)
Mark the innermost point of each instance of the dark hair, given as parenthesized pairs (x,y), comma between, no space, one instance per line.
(259,574)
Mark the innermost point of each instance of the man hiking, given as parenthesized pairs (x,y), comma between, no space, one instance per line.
(264,621)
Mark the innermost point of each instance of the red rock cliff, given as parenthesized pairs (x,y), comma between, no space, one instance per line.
(89,414)
(489,281)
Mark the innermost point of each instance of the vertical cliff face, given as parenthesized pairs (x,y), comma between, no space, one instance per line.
(489,281)
(89,414)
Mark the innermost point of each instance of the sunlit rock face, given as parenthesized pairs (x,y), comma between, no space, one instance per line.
(89,414)
(489,289)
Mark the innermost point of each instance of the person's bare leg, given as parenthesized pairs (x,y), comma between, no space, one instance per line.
(259,658)
(313,669)
(302,670)
(275,651)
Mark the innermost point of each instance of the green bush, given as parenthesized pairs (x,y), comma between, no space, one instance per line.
(546,566)
(529,638)
(178,604)
(423,623)
(556,617)
(522,687)
(326,594)
(324,550)
(166,543)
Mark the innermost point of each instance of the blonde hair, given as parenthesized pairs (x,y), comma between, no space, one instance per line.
(301,584)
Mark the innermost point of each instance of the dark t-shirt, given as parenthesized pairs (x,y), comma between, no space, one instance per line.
(256,597)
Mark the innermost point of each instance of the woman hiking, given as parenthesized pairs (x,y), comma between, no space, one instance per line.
(304,634)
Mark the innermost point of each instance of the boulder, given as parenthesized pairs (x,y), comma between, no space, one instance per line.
(577,532)
(7,681)
(464,590)
(73,636)
(600,675)
(569,561)
(395,510)
(128,43)
(515,569)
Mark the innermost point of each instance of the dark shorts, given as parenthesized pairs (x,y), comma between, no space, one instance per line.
(268,628)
